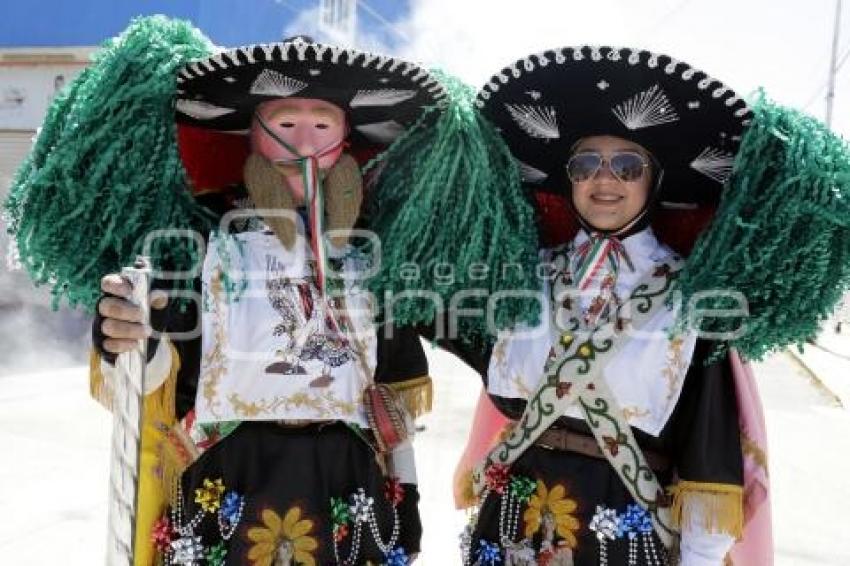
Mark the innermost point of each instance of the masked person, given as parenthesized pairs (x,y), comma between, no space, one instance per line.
(260,442)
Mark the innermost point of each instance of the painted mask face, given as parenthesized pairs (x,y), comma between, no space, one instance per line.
(307,127)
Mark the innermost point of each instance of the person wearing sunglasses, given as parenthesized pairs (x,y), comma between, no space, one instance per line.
(622,443)
(612,184)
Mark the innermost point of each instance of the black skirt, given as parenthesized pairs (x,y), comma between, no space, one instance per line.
(269,494)
(547,516)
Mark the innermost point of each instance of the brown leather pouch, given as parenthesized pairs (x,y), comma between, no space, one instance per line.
(386,416)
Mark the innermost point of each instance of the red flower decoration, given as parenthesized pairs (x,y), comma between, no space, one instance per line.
(394,491)
(496,477)
(340,532)
(162,534)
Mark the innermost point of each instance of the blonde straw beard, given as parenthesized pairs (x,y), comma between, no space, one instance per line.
(343,187)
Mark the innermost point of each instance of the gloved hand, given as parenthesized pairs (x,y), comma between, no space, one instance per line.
(118,326)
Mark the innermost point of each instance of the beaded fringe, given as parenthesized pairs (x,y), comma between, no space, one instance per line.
(716,507)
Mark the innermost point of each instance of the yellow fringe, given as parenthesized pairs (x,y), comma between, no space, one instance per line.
(718,507)
(157,476)
(466,495)
(98,387)
(417,394)
(750,448)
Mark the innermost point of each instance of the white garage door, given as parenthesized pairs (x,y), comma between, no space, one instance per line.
(14,146)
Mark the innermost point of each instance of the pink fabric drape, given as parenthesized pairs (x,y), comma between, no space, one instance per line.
(756,546)
(487,425)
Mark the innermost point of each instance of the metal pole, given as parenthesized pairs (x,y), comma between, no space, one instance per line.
(830,91)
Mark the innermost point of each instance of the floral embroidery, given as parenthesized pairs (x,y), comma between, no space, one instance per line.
(209,496)
(361,506)
(394,491)
(488,553)
(357,515)
(324,403)
(162,534)
(214,361)
(552,510)
(676,365)
(217,554)
(178,541)
(496,477)
(187,550)
(282,541)
(397,557)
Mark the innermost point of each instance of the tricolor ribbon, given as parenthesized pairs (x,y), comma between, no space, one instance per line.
(314,197)
(592,256)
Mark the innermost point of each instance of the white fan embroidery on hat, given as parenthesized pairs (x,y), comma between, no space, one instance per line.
(381,132)
(714,163)
(381,97)
(536,121)
(645,109)
(202,110)
(531,174)
(272,83)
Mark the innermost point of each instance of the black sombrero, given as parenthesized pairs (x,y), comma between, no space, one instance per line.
(692,123)
(381,95)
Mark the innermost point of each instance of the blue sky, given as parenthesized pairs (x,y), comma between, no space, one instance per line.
(781,45)
(42,23)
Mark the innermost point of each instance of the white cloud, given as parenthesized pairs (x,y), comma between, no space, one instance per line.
(307,23)
(782,45)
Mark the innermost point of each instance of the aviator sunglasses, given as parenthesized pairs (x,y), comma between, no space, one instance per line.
(627,166)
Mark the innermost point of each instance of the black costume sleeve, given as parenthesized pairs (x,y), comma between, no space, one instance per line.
(705,441)
(705,445)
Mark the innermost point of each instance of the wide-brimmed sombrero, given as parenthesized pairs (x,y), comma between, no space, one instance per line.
(381,95)
(691,122)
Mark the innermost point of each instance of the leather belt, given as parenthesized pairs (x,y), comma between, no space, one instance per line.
(569,441)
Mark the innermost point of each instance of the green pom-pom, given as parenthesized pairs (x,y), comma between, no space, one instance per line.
(780,236)
(105,171)
(452,217)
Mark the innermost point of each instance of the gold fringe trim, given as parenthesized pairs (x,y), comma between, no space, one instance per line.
(717,507)
(417,394)
(98,387)
(466,495)
(750,448)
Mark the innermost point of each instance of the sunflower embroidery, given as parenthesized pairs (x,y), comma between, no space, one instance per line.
(551,510)
(284,541)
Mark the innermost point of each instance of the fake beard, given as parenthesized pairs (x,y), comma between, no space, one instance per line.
(343,188)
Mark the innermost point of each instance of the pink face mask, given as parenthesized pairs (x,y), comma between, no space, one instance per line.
(289,129)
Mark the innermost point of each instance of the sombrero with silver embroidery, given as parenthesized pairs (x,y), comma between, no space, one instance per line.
(691,122)
(381,95)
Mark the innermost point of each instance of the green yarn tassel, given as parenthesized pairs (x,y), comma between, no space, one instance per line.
(781,233)
(449,209)
(105,171)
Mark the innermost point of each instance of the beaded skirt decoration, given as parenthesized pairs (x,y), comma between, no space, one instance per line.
(325,502)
